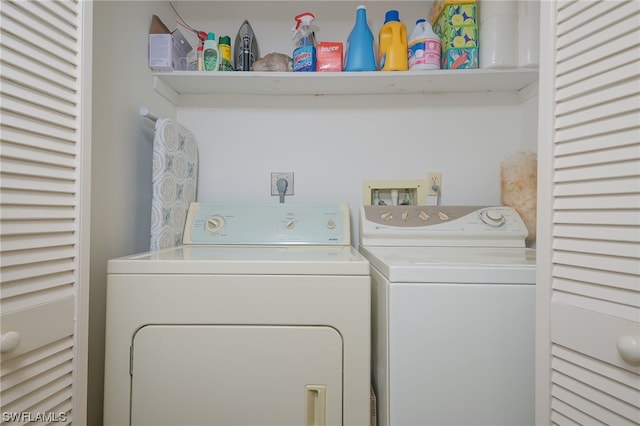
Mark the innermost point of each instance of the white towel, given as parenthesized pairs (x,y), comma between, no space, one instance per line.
(174,181)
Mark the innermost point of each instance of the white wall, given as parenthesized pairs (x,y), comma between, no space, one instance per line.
(121,157)
(334,143)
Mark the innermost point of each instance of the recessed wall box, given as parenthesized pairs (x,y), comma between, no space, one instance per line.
(388,192)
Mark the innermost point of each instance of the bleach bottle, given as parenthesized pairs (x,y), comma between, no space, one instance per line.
(393,43)
(304,55)
(360,52)
(424,47)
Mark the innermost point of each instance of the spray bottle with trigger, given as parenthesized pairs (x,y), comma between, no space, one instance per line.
(304,55)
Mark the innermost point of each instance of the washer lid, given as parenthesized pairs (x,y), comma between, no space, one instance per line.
(454,264)
(245,260)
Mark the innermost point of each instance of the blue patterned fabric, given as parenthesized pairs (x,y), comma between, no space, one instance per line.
(174,181)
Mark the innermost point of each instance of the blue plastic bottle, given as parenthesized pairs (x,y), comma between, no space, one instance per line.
(360,52)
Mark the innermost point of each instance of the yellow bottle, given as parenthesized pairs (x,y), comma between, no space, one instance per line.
(392,55)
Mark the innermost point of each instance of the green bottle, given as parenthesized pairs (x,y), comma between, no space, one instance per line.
(224,46)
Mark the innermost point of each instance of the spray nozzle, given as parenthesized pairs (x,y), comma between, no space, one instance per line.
(305,18)
(202,36)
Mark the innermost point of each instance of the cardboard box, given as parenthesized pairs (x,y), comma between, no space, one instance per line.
(167,50)
(329,56)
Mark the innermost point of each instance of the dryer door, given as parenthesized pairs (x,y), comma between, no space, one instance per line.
(236,375)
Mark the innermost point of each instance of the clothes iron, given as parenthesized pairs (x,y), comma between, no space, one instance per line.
(245,51)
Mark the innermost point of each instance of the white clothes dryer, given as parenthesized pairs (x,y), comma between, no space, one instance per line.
(261,317)
(453,315)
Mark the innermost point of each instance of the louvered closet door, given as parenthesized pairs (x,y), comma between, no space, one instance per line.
(591,259)
(41,207)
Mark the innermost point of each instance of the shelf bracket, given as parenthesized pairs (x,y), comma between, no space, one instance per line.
(529,91)
(166,91)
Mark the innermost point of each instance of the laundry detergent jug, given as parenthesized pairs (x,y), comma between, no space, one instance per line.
(392,55)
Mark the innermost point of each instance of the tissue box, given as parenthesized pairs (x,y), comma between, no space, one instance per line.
(167,50)
(466,36)
(456,15)
(440,5)
(460,58)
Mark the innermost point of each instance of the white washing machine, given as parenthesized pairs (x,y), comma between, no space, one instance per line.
(261,317)
(453,315)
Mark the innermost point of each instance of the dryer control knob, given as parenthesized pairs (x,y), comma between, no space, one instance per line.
(214,224)
(493,217)
(331,224)
(290,224)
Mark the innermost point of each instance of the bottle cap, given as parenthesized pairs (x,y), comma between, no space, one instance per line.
(420,20)
(391,15)
(212,36)
(224,40)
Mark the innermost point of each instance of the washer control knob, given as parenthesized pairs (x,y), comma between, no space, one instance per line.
(493,217)
(290,224)
(214,224)
(331,224)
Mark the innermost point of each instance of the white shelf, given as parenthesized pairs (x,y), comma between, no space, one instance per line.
(173,84)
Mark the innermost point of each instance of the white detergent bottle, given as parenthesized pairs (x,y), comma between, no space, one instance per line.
(211,54)
(424,47)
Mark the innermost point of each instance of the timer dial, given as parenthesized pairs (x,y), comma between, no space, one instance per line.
(214,224)
(492,217)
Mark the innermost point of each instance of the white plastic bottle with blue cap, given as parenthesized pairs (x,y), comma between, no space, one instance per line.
(424,47)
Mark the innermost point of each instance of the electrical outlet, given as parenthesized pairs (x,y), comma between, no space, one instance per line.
(275,176)
(434,179)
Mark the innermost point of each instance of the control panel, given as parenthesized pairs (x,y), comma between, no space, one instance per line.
(313,224)
(498,226)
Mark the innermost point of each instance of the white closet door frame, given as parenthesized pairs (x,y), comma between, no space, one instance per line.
(544,213)
(81,367)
